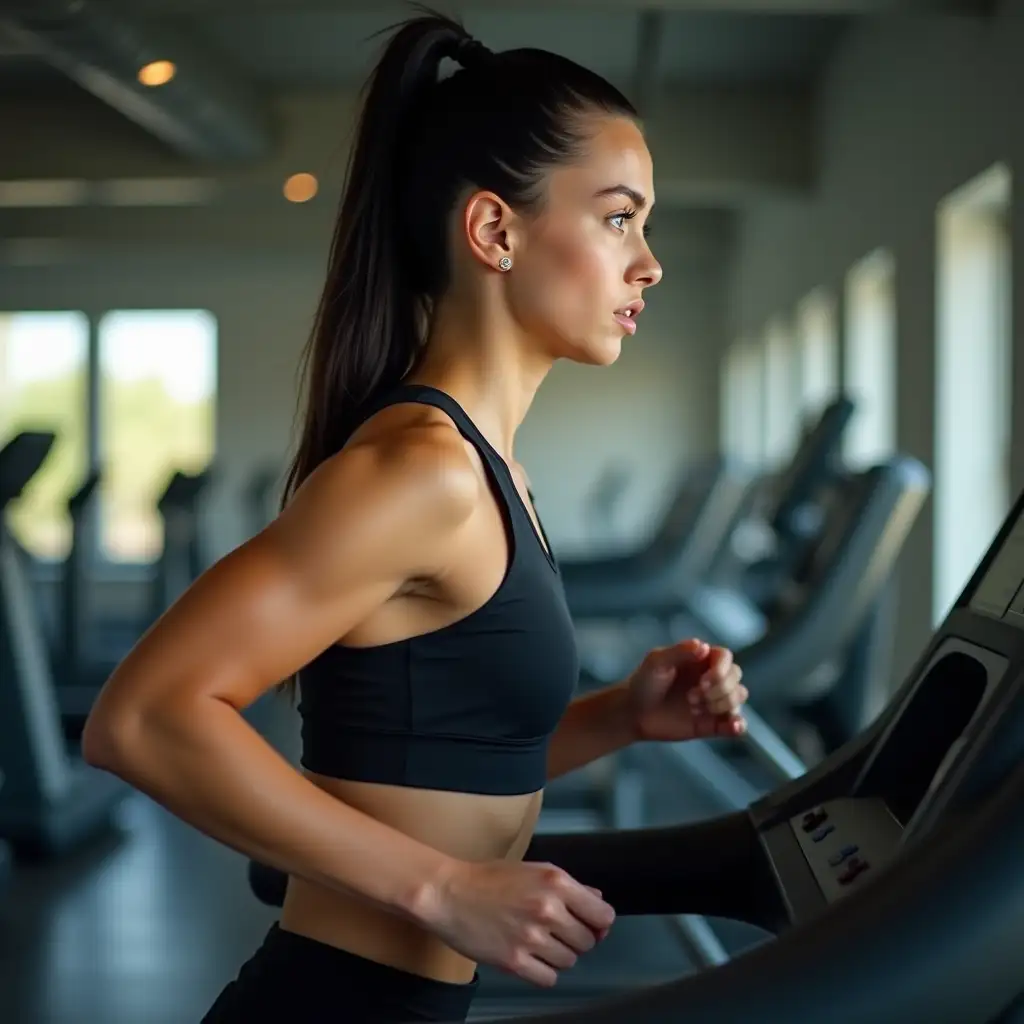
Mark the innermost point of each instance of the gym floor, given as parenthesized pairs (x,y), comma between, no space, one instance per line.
(149,923)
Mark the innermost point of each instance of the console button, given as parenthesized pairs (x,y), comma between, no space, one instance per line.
(822,832)
(855,867)
(812,819)
(845,853)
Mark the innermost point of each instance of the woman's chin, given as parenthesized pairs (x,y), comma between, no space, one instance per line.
(607,352)
(594,351)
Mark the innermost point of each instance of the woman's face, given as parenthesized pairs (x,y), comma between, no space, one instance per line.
(581,265)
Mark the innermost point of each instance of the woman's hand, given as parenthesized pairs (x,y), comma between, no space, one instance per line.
(527,919)
(690,690)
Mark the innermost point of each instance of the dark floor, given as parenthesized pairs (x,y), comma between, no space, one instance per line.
(146,926)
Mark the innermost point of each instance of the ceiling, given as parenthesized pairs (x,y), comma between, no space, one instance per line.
(324,47)
(242,102)
(300,43)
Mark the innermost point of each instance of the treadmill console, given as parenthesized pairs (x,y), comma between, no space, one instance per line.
(924,755)
(842,839)
(954,729)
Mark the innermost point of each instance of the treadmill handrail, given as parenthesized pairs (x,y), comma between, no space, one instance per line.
(621,586)
(817,448)
(862,564)
(183,489)
(20,459)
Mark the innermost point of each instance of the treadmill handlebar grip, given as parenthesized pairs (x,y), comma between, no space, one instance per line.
(713,867)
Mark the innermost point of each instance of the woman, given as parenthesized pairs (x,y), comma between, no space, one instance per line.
(492,222)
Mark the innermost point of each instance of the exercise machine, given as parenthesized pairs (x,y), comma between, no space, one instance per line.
(92,645)
(716,580)
(814,673)
(696,516)
(807,669)
(182,560)
(602,501)
(776,529)
(50,801)
(782,511)
(889,874)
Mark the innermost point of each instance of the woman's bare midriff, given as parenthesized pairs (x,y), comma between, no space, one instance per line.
(465,825)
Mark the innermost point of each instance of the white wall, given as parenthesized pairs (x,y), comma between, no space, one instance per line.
(909,111)
(655,408)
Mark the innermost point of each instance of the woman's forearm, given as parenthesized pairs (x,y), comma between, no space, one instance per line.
(208,766)
(593,726)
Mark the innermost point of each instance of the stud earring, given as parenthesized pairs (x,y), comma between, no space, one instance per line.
(505,263)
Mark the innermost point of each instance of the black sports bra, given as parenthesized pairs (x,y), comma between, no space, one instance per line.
(467,707)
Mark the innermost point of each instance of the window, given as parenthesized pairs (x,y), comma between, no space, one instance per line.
(731,402)
(870,358)
(157,407)
(43,386)
(973,364)
(781,413)
(818,346)
(750,402)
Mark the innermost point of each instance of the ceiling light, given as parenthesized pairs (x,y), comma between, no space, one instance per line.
(157,72)
(300,188)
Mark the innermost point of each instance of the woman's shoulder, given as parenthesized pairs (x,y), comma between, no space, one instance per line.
(402,462)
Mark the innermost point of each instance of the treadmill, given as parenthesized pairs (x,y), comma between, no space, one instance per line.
(700,507)
(93,647)
(807,674)
(794,670)
(183,560)
(719,590)
(50,801)
(889,874)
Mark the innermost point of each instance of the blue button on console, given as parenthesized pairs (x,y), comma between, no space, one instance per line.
(822,832)
(837,858)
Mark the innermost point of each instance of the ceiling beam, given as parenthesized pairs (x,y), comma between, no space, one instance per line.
(203,112)
(711,148)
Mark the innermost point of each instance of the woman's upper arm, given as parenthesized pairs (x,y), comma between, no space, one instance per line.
(367,520)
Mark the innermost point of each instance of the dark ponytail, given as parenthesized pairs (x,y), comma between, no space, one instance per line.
(498,124)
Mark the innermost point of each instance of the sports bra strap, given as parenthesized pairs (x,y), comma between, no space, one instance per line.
(515,508)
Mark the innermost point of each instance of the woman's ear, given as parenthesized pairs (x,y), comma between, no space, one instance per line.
(491,228)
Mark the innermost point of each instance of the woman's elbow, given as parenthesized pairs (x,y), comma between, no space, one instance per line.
(107,739)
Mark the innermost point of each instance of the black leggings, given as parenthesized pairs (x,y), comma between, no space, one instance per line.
(293,979)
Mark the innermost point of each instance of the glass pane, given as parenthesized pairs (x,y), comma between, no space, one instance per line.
(871,359)
(158,389)
(818,352)
(43,368)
